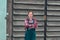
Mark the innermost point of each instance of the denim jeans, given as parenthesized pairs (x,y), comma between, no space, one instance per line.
(30,34)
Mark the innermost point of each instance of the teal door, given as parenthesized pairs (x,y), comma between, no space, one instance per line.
(2,19)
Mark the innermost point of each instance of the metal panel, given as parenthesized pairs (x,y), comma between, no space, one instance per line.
(2,19)
(20,10)
(52,22)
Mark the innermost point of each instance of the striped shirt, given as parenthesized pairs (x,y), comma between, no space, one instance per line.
(27,25)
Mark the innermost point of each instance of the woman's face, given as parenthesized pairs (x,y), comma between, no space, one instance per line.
(30,14)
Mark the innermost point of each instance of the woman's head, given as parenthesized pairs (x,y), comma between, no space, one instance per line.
(30,14)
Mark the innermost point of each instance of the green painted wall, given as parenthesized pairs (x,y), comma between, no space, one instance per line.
(2,19)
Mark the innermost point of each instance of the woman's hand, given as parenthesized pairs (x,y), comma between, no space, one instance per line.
(30,25)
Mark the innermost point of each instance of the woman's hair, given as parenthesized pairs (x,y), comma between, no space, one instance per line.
(30,11)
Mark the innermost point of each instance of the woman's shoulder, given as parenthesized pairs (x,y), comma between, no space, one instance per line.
(34,18)
(26,18)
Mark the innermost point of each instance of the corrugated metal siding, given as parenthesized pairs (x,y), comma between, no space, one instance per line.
(20,11)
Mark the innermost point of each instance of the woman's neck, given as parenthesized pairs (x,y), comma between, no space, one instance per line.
(30,18)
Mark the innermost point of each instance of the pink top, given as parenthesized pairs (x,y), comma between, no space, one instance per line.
(31,25)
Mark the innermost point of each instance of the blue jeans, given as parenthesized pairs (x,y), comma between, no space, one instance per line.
(30,34)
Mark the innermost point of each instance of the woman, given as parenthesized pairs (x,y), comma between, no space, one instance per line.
(30,27)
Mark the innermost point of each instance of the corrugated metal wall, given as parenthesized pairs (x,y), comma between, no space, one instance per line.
(20,10)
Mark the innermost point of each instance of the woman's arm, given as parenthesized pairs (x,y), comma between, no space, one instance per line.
(26,24)
(35,25)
